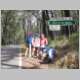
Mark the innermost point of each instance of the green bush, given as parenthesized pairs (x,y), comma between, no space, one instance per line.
(74,40)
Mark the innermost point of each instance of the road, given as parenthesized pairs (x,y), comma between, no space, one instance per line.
(10,57)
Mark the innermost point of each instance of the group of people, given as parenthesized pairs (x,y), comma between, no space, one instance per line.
(37,47)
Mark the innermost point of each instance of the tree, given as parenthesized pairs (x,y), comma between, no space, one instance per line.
(45,17)
(8,26)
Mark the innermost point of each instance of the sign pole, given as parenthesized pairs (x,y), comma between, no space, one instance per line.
(69,31)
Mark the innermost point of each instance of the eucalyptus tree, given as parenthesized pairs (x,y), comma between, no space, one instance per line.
(8,25)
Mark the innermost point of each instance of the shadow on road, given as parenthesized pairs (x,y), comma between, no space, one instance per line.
(9,66)
(7,54)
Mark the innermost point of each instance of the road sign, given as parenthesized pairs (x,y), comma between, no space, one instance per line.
(54,27)
(64,21)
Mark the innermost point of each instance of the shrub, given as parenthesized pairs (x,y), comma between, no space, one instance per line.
(74,40)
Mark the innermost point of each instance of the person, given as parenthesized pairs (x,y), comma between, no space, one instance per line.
(49,54)
(36,45)
(43,42)
(29,44)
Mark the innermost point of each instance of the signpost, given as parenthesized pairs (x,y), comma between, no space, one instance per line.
(54,27)
(55,23)
(61,21)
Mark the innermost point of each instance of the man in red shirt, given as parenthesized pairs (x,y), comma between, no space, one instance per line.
(43,41)
(43,44)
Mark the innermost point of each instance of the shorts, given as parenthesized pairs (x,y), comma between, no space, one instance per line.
(42,49)
(28,45)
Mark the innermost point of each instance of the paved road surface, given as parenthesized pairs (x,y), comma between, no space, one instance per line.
(10,57)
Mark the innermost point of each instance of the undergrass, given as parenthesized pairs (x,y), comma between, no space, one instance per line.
(72,41)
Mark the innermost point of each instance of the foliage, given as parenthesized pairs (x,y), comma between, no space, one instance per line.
(74,41)
(10,27)
(13,26)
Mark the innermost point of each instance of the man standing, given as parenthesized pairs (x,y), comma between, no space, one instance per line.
(43,42)
(29,44)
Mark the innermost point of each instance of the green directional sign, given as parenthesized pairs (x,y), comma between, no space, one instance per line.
(62,21)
